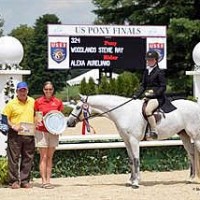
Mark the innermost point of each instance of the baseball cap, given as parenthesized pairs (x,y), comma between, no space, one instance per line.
(22,85)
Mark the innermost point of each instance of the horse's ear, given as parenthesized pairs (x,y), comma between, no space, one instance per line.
(82,97)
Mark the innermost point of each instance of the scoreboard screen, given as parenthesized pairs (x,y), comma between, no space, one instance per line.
(107,52)
(104,47)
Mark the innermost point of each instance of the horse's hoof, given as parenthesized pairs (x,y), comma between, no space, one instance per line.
(135,186)
(190,180)
(128,184)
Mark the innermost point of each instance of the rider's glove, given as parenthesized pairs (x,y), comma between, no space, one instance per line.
(134,97)
(149,94)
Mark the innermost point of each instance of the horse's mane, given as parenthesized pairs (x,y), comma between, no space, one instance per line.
(111,97)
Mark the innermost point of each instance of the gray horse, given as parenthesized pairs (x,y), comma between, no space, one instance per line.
(131,125)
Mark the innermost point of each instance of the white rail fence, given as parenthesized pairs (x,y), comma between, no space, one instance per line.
(78,142)
(106,141)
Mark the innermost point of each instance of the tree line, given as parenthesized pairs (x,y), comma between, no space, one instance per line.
(182,19)
(124,85)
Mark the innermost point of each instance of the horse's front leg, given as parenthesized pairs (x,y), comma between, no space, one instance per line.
(135,173)
(132,146)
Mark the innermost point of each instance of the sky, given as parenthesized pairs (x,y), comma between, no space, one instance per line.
(17,12)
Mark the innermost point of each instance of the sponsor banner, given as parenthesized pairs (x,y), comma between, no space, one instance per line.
(159,45)
(58,52)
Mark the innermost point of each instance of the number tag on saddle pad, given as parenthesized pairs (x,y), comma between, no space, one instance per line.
(55,122)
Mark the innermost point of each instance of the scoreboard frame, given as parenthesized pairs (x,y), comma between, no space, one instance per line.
(104,46)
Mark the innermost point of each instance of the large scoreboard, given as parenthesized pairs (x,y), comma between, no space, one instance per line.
(104,47)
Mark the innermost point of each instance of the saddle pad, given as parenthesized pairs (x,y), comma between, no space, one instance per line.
(167,106)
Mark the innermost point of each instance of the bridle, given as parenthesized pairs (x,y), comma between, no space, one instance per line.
(86,114)
(84,111)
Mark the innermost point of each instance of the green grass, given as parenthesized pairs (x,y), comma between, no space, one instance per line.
(3,170)
(68,93)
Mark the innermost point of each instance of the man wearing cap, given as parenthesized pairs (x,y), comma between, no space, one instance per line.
(20,148)
(153,87)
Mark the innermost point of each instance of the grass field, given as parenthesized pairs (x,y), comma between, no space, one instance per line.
(68,93)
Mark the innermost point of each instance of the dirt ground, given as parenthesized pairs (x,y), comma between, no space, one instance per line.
(101,125)
(154,186)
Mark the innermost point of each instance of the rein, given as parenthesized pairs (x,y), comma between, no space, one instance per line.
(100,114)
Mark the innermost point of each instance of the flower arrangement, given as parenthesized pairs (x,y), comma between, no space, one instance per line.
(9,90)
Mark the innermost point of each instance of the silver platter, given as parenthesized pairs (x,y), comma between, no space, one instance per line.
(55,122)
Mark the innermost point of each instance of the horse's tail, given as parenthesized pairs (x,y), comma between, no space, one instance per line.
(197,161)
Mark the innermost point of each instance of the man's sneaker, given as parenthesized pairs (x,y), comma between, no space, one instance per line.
(26,185)
(15,185)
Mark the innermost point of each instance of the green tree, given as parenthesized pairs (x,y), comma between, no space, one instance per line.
(183,35)
(120,86)
(104,86)
(130,83)
(38,60)
(144,12)
(88,88)
(24,34)
(91,86)
(83,87)
(113,88)
(126,83)
(182,19)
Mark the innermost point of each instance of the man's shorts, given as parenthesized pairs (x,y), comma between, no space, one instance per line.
(46,139)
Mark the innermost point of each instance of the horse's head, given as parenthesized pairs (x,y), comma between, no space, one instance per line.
(80,112)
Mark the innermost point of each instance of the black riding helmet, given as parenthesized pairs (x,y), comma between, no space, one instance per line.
(152,54)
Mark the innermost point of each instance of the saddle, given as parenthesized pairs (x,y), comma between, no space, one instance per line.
(167,107)
(159,113)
